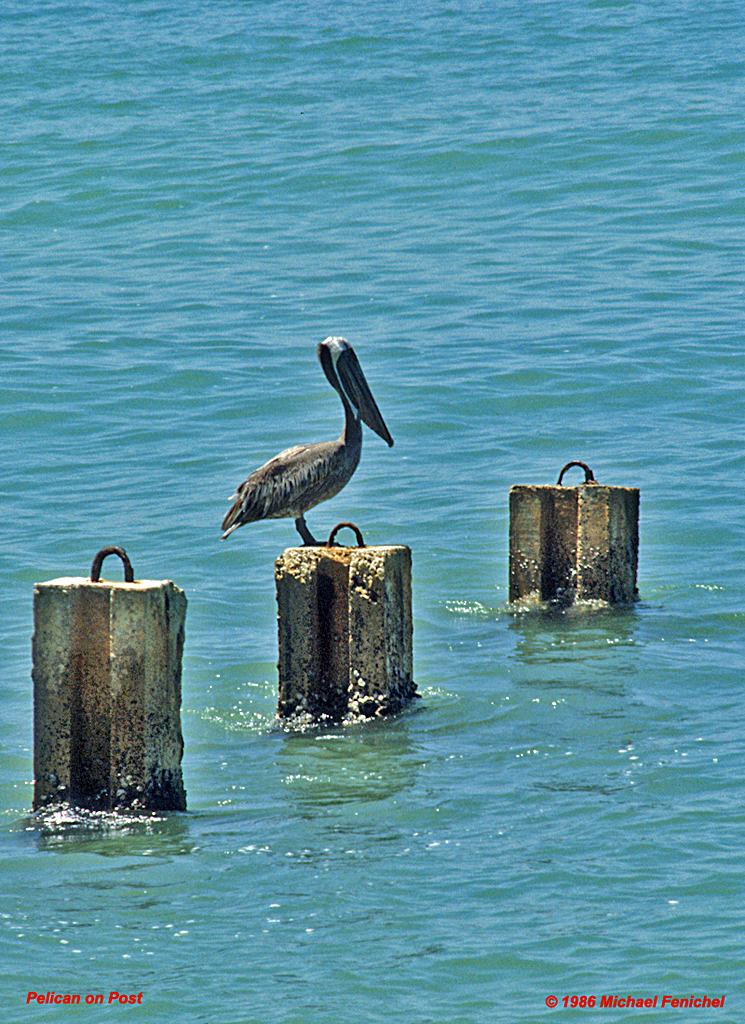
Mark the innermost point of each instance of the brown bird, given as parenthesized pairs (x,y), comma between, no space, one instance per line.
(301,477)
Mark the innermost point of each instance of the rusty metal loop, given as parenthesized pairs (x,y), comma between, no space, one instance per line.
(589,478)
(129,575)
(348,526)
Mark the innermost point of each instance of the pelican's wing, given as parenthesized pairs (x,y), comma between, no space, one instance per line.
(286,486)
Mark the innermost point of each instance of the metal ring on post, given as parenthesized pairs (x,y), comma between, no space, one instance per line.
(341,526)
(129,576)
(589,478)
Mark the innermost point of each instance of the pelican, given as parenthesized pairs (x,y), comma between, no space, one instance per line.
(301,477)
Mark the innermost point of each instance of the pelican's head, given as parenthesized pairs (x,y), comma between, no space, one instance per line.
(344,373)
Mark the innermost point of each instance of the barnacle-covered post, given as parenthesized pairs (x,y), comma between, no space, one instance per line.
(345,631)
(572,544)
(107,692)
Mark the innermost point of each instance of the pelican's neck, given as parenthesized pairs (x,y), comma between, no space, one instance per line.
(352,433)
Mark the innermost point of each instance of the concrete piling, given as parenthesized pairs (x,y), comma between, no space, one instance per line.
(107,693)
(345,632)
(572,544)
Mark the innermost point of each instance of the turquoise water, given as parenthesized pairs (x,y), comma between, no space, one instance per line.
(528,220)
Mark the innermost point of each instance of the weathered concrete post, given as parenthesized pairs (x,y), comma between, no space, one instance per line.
(107,692)
(574,543)
(345,631)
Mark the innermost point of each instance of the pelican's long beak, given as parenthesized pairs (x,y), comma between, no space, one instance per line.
(352,379)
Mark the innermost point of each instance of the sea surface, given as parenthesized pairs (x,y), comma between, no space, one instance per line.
(529,220)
